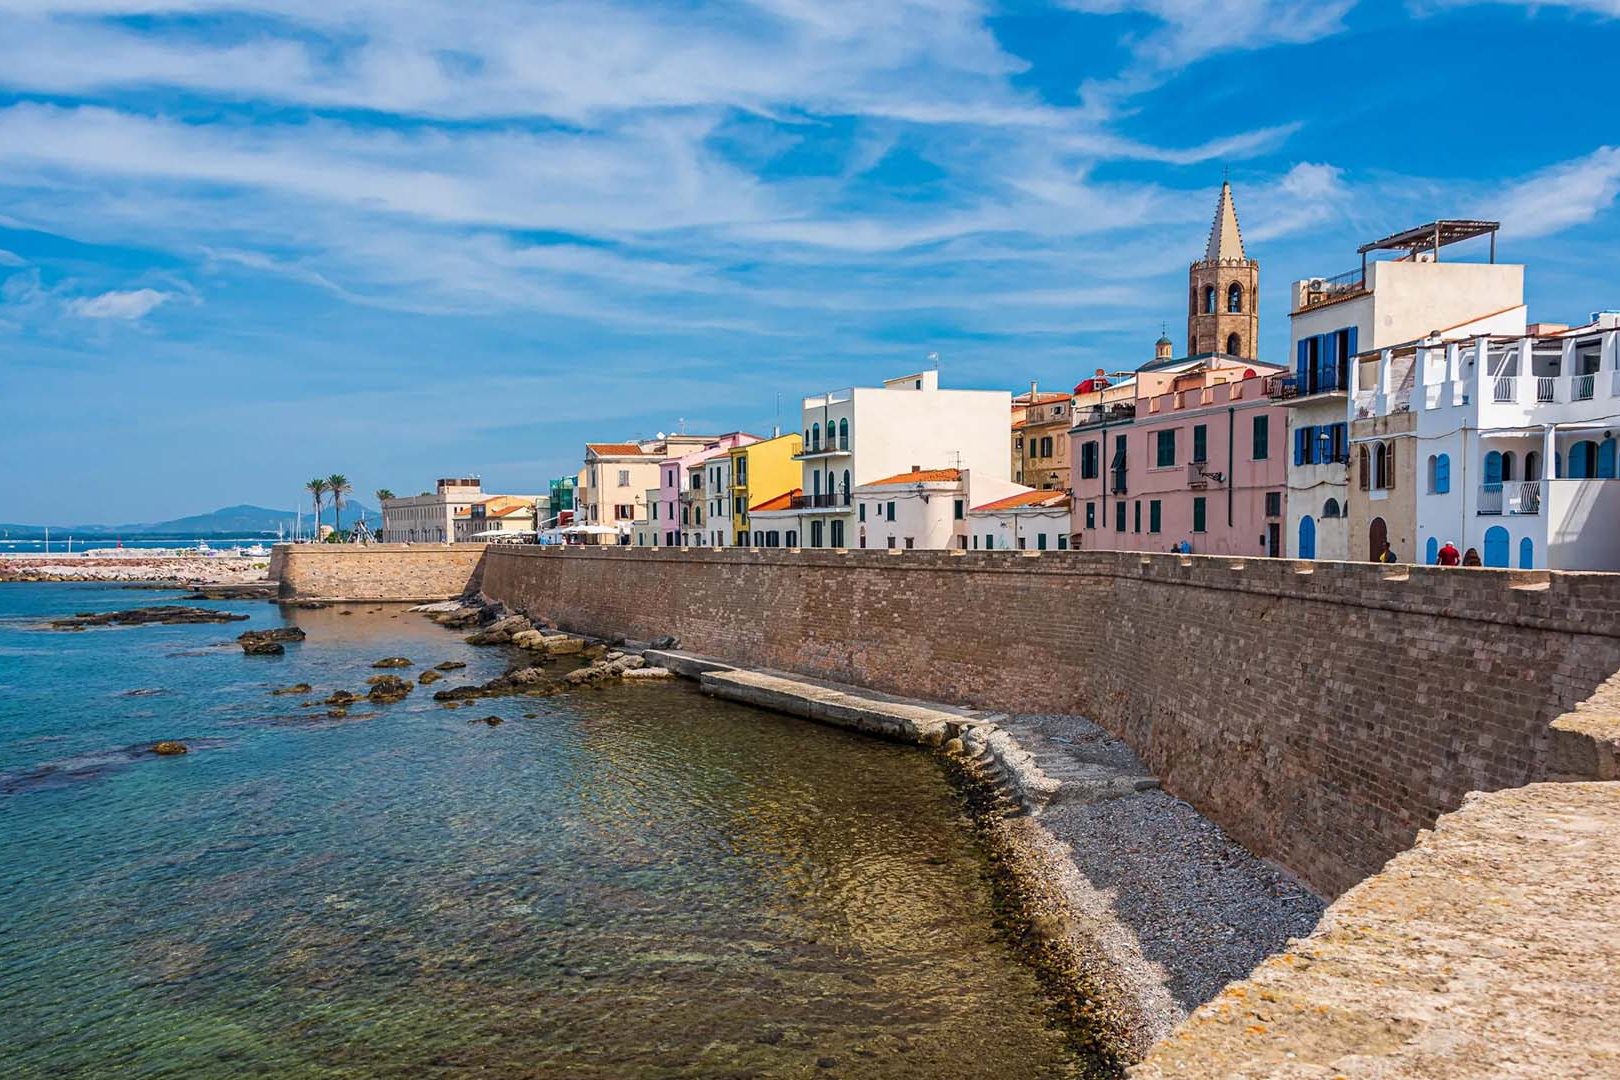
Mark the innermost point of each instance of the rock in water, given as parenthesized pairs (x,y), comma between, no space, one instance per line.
(167,615)
(449,665)
(492,721)
(392,661)
(276,633)
(262,648)
(169,748)
(342,697)
(296,688)
(390,688)
(429,677)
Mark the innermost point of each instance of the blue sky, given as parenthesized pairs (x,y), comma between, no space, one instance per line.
(243,243)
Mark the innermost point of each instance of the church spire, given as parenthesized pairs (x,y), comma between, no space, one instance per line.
(1225,240)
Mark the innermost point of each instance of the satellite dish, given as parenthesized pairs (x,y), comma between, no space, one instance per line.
(661,435)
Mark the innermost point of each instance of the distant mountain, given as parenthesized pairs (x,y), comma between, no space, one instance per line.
(241,520)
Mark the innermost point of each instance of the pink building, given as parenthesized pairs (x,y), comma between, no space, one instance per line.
(1200,457)
(665,514)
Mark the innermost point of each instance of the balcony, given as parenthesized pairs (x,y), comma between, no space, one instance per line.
(1510,497)
(1113,413)
(1320,291)
(833,501)
(820,450)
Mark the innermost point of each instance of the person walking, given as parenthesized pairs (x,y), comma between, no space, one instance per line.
(1449,555)
(1387,555)
(1471,558)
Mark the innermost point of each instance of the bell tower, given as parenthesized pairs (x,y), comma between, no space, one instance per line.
(1223,290)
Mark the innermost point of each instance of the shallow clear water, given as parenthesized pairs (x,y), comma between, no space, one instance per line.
(636,882)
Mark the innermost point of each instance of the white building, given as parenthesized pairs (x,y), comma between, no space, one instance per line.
(922,508)
(430,517)
(858,435)
(1377,306)
(1516,442)
(1026,521)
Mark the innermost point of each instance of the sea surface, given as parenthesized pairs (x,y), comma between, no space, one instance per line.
(621,883)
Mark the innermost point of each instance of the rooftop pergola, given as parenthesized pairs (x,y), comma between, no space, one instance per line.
(1432,237)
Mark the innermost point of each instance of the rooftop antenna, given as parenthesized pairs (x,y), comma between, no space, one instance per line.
(933,358)
(776,425)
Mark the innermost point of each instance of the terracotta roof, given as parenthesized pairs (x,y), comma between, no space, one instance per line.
(604,449)
(1026,498)
(783,501)
(918,476)
(1046,398)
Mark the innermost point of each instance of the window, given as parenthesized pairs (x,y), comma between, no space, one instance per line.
(911,542)
(891,510)
(1155,517)
(818,531)
(843,434)
(1209,299)
(1234,345)
(989,541)
(1234,301)
(1273,504)
(624,477)
(1262,438)
(1198,515)
(815,436)
(846,487)
(1363,467)
(1330,509)
(961,543)
(738,509)
(1046,446)
(1200,443)
(1119,517)
(862,511)
(792,538)
(838,532)
(1136,516)
(1063,542)
(1091,515)
(1088,460)
(1040,541)
(958,511)
(1439,474)
(1166,443)
(742,471)
(1023,542)
(1118,465)
(654,512)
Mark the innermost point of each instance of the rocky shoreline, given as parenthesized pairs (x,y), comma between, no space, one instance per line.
(192,570)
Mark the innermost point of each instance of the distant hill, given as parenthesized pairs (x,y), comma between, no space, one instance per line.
(242,520)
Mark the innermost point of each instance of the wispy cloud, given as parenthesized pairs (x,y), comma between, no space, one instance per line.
(128,304)
(1567,194)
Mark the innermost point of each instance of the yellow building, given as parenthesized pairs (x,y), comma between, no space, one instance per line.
(761,471)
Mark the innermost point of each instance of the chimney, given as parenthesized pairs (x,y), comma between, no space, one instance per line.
(1032,391)
(916,468)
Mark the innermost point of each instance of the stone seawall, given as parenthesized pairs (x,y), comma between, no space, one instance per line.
(1322,713)
(411,572)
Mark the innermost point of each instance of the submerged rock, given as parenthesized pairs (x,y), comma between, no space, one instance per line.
(296,688)
(390,688)
(428,677)
(342,697)
(492,721)
(257,647)
(449,665)
(170,748)
(392,662)
(167,615)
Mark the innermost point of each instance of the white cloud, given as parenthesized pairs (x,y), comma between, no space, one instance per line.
(11,258)
(1566,194)
(118,304)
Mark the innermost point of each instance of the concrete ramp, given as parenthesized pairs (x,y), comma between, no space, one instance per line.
(898,720)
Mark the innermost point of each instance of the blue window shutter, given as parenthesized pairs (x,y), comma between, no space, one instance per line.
(1352,344)
(1442,474)
(1300,360)
(1299,446)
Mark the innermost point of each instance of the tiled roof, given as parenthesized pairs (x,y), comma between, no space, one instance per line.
(783,501)
(606,449)
(918,476)
(1047,398)
(1026,498)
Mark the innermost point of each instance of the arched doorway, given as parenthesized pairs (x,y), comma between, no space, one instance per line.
(1527,554)
(1496,547)
(1307,538)
(1377,537)
(1431,552)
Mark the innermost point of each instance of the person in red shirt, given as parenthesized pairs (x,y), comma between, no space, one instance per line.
(1449,555)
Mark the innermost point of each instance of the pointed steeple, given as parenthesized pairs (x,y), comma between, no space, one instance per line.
(1225,241)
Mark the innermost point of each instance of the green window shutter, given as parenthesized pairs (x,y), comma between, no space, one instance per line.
(1198,514)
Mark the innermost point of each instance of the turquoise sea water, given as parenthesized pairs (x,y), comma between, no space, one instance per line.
(635,882)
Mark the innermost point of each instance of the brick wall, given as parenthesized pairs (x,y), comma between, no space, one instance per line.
(376,571)
(1322,713)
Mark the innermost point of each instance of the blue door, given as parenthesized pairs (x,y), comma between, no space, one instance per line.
(1527,554)
(1496,547)
(1307,538)
(1605,460)
(1493,468)
(1431,552)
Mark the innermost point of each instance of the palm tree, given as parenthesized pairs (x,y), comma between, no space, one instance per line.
(382,495)
(317,488)
(338,485)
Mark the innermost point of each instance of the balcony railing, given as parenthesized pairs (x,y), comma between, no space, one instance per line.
(1321,290)
(1105,414)
(1510,497)
(820,502)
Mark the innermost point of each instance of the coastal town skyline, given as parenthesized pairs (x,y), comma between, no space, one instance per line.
(238,245)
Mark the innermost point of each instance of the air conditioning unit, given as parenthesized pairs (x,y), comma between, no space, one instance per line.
(1316,285)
